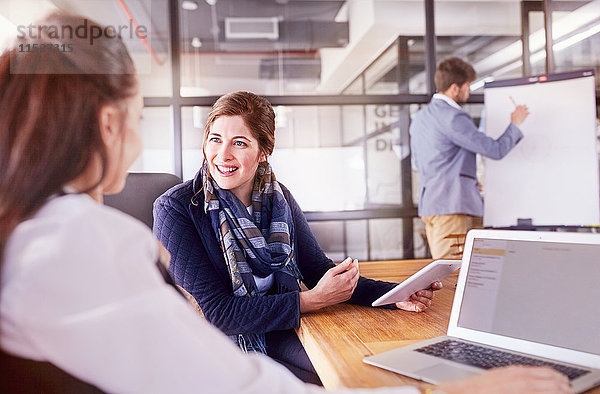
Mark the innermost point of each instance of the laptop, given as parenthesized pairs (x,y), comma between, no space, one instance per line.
(522,297)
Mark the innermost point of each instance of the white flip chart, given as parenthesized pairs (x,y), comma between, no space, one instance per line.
(551,176)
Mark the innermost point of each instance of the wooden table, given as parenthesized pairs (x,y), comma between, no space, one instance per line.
(338,337)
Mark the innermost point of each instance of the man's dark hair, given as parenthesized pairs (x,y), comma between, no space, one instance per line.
(453,70)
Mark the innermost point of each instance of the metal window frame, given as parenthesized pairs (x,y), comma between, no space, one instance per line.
(546,7)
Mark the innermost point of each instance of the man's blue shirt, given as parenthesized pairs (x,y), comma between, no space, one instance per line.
(444,143)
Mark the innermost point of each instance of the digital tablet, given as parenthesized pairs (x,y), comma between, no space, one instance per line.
(422,279)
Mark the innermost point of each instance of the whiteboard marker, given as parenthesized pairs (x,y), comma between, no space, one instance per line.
(513,100)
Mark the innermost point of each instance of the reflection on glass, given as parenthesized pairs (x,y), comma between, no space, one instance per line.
(331,237)
(420,245)
(322,179)
(537,57)
(157,140)
(385,236)
(485,34)
(357,242)
(155,80)
(267,47)
(356,87)
(309,156)
(374,239)
(350,154)
(384,152)
(192,134)
(497,55)
(302,47)
(579,47)
(414,108)
(399,69)
(143,25)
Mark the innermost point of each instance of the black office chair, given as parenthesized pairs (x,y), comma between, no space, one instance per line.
(141,189)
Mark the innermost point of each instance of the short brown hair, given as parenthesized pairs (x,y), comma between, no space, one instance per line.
(256,111)
(453,70)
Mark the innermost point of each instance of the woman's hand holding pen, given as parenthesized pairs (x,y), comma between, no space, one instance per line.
(337,285)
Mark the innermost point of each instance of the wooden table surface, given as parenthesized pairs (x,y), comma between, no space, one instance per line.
(337,338)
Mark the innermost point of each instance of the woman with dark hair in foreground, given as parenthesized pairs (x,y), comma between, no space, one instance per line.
(83,307)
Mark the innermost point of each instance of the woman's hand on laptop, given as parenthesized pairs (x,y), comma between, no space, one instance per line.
(513,379)
(421,300)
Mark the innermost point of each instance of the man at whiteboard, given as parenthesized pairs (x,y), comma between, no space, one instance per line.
(444,142)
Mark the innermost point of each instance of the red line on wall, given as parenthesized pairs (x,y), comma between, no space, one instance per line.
(144,39)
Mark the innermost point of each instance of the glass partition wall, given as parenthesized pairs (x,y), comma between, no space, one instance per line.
(344,77)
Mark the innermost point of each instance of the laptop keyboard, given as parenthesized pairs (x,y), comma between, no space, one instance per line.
(486,358)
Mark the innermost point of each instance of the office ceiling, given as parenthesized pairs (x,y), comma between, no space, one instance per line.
(283,36)
(295,25)
(311,43)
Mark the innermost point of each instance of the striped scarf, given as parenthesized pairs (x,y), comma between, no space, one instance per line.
(259,245)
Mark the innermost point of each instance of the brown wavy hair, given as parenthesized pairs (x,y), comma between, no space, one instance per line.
(49,119)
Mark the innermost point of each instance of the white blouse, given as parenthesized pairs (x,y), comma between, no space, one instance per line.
(80,289)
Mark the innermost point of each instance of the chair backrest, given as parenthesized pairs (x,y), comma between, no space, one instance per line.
(139,193)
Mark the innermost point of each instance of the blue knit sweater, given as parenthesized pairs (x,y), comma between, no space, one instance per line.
(197,264)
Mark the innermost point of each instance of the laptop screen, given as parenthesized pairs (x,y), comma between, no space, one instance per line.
(545,292)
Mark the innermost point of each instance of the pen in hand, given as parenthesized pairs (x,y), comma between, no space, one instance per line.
(520,113)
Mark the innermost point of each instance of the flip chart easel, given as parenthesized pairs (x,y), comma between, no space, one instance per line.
(551,177)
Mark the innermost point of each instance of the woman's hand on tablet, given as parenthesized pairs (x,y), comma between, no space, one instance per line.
(421,300)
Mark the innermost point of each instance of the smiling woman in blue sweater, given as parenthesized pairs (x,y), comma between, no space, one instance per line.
(241,246)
